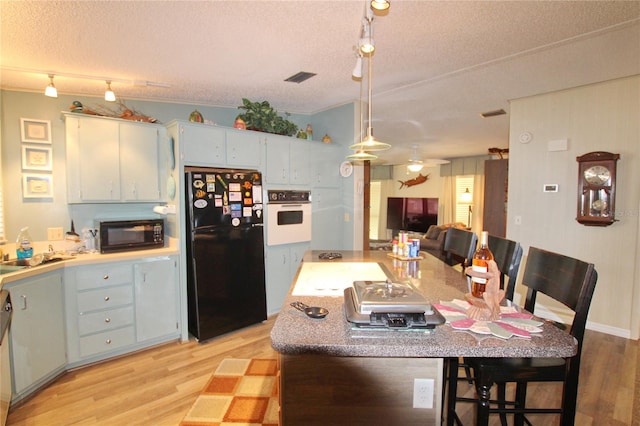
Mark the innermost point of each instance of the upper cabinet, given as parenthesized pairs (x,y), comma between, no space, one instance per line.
(287,160)
(202,145)
(110,160)
(243,148)
(205,145)
(325,166)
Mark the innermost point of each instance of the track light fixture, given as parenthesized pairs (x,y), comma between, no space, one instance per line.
(357,70)
(51,90)
(380,4)
(369,143)
(109,96)
(367,45)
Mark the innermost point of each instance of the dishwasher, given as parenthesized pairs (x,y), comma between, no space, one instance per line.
(6,312)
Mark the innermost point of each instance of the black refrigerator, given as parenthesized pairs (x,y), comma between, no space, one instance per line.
(225,250)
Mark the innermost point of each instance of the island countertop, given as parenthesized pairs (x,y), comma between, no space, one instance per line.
(295,333)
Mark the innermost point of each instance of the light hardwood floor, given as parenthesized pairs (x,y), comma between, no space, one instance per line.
(157,386)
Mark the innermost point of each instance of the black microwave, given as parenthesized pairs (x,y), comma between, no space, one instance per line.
(128,235)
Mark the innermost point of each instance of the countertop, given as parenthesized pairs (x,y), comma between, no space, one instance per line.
(84,259)
(295,333)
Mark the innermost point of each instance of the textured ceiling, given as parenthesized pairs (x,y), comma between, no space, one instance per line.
(437,64)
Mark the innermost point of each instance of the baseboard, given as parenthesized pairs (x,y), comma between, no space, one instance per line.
(607,329)
(562,316)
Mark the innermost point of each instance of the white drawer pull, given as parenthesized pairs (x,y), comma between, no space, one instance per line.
(107,320)
(106,298)
(106,277)
(108,341)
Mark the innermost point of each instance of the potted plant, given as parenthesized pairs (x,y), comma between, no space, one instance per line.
(261,116)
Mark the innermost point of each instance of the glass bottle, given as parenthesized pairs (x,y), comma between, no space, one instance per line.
(480,263)
(24,244)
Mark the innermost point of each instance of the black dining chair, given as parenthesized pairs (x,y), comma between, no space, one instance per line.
(507,255)
(459,246)
(567,280)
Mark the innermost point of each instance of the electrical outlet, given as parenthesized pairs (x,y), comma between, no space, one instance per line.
(55,234)
(423,393)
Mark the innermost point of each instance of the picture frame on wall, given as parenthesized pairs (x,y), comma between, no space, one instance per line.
(35,131)
(37,158)
(35,185)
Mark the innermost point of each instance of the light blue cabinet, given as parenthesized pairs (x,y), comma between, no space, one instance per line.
(287,160)
(282,262)
(117,307)
(110,160)
(324,165)
(93,159)
(328,214)
(244,148)
(202,145)
(299,161)
(37,332)
(139,160)
(156,298)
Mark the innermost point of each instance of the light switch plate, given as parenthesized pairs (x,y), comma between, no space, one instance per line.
(55,234)
(558,145)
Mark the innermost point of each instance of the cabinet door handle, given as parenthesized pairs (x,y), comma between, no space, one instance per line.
(107,320)
(106,298)
(108,341)
(24,302)
(106,277)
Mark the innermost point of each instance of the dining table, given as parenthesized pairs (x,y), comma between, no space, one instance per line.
(334,372)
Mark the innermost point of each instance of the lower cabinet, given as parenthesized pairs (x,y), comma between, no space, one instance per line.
(117,307)
(37,331)
(156,295)
(282,264)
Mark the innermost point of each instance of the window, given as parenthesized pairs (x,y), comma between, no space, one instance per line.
(462,208)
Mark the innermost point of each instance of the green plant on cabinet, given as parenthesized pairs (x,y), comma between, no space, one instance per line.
(261,116)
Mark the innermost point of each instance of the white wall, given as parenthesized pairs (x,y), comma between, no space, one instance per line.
(598,117)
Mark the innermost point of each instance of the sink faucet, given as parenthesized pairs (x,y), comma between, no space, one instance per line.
(50,248)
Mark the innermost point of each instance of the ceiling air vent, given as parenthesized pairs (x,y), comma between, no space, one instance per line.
(300,77)
(493,113)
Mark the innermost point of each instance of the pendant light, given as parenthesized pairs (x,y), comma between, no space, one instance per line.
(361,156)
(415,163)
(51,90)
(109,96)
(369,143)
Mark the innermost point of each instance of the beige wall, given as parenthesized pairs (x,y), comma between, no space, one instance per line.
(598,117)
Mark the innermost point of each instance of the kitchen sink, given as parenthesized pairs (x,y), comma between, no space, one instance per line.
(18,264)
(5,269)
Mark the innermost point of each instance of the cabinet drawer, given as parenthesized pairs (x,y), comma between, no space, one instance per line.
(104,276)
(106,341)
(105,298)
(105,320)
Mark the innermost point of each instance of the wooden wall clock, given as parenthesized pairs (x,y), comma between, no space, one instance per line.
(597,188)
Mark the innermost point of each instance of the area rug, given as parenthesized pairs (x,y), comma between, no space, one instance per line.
(240,391)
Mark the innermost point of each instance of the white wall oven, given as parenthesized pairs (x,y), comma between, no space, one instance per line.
(288,217)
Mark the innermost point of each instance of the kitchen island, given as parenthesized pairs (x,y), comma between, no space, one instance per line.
(332,373)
